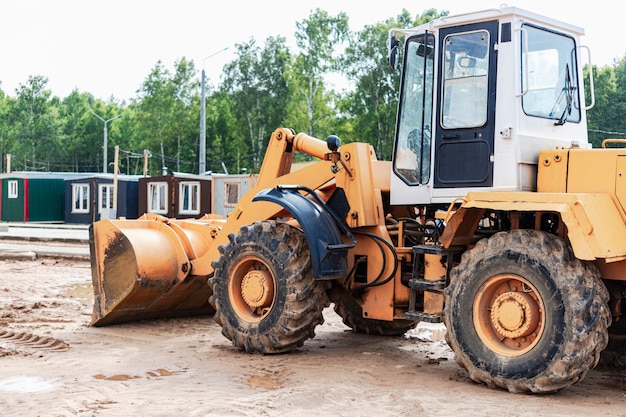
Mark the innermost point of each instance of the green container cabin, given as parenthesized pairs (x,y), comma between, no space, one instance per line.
(32,197)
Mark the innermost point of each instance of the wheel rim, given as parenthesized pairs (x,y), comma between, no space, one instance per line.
(251,289)
(509,315)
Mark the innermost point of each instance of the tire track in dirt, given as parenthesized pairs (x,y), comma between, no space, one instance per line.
(29,343)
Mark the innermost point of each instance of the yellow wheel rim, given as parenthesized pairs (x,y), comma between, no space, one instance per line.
(251,289)
(509,315)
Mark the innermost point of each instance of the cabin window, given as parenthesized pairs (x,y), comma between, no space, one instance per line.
(231,193)
(413,144)
(466,60)
(80,198)
(157,197)
(105,191)
(189,197)
(549,75)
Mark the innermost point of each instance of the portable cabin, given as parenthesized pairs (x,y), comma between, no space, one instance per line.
(228,189)
(90,198)
(33,197)
(175,195)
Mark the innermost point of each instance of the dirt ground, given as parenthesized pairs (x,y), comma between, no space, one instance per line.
(52,363)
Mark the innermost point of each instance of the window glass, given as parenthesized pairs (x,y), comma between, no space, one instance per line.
(157,197)
(106,197)
(80,198)
(549,75)
(232,194)
(13,189)
(465,64)
(189,197)
(413,144)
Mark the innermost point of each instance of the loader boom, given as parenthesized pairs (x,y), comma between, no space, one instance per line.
(154,266)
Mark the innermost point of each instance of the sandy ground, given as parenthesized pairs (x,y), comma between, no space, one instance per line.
(52,363)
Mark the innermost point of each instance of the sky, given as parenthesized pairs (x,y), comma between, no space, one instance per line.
(108,48)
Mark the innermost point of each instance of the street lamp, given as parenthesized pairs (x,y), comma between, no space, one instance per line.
(104,155)
(202,153)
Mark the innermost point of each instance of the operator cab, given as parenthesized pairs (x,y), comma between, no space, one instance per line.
(481,94)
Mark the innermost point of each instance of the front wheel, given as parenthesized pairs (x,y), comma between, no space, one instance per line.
(524,314)
(264,294)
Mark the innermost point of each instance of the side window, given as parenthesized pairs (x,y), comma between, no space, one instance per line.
(549,75)
(189,198)
(465,65)
(105,191)
(80,198)
(13,191)
(157,197)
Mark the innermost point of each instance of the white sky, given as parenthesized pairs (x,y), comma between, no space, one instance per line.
(108,48)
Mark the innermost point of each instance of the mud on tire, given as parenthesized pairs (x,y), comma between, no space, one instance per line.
(264,294)
(560,314)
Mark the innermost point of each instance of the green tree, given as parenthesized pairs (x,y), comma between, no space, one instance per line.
(602,115)
(184,117)
(6,128)
(320,39)
(78,135)
(256,82)
(154,110)
(37,125)
(374,100)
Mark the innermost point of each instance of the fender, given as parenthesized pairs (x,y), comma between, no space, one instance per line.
(595,226)
(328,251)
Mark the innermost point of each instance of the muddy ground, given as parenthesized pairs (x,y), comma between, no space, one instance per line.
(52,363)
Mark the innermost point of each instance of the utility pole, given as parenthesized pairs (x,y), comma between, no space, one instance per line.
(202,152)
(104,154)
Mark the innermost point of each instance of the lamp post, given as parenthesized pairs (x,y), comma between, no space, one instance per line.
(202,152)
(104,155)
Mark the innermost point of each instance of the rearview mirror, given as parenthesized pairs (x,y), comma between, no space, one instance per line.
(392,48)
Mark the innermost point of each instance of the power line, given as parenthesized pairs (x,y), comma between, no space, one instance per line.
(606,132)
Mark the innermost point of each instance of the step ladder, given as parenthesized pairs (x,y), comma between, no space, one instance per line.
(421,288)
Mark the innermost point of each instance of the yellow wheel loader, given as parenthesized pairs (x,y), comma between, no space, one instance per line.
(495,216)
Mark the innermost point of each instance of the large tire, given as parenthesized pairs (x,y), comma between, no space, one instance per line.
(352,314)
(614,356)
(264,294)
(523,314)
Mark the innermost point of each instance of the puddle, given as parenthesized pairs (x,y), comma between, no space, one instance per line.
(262,382)
(82,291)
(115,377)
(149,374)
(26,384)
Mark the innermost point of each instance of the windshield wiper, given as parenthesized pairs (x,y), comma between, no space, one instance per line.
(568,93)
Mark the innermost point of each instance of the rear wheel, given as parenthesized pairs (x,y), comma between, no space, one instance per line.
(264,294)
(524,314)
(352,314)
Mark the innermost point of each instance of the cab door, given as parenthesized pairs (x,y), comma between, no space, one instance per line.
(466,101)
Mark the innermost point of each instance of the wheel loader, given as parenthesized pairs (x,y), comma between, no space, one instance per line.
(495,217)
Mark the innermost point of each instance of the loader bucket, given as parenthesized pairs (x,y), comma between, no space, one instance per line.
(142,269)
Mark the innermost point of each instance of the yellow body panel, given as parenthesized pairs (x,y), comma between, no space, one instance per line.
(595,225)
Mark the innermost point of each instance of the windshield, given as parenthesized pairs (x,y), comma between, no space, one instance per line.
(413,144)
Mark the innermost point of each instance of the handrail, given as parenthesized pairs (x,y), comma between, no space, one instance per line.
(606,141)
(524,90)
(592,90)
